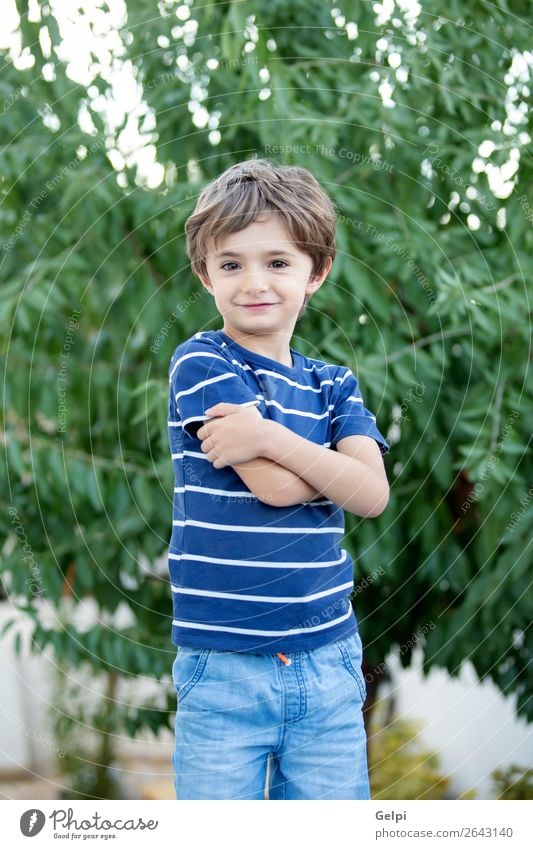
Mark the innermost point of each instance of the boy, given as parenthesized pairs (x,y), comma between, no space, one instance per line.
(268,447)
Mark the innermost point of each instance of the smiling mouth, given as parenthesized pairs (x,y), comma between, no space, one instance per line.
(253,306)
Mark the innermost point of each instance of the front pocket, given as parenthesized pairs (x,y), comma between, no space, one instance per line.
(353,666)
(187,670)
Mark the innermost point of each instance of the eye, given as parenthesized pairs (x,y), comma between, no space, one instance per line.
(224,267)
(282,261)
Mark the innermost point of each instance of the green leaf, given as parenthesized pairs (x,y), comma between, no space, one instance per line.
(94,489)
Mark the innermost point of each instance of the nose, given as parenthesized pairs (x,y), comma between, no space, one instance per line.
(254,281)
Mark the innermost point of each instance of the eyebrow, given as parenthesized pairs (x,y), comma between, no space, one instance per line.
(235,255)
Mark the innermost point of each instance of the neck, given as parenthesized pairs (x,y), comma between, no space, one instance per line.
(275,346)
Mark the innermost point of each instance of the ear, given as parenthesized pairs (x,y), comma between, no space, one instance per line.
(206,283)
(316,280)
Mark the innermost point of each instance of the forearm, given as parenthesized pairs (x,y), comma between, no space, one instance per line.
(350,477)
(345,480)
(274,484)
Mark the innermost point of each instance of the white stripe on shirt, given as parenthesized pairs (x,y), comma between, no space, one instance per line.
(345,375)
(210,491)
(230,493)
(252,529)
(203,383)
(289,381)
(198,454)
(196,354)
(261,564)
(271,403)
(203,418)
(268,599)
(183,624)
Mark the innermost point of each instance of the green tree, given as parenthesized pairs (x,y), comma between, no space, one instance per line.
(406,122)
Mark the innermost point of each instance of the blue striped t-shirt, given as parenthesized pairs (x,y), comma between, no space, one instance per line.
(246,575)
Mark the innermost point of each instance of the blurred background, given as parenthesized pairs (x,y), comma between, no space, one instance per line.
(415,118)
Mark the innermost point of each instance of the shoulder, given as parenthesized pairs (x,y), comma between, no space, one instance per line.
(343,383)
(206,343)
(325,370)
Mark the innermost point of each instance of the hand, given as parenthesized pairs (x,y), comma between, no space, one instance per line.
(233,435)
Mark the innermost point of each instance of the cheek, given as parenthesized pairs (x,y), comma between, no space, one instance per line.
(219,297)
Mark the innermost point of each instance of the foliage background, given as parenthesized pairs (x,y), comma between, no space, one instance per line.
(411,123)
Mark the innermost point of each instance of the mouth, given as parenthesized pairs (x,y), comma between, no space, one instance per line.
(257,307)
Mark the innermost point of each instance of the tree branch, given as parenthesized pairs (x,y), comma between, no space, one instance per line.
(421,343)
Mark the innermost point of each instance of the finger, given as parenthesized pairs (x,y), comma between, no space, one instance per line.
(205,429)
(222,409)
(216,461)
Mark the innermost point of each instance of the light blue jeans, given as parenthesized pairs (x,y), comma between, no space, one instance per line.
(243,718)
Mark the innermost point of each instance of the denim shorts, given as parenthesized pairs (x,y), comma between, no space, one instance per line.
(256,726)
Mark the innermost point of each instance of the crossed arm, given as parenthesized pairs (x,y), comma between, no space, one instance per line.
(282,468)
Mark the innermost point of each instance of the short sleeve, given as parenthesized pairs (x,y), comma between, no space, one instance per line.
(200,377)
(350,417)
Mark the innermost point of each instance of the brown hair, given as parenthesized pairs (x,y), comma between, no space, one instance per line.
(246,190)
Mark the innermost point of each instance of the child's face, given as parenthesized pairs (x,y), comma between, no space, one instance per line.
(259,278)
